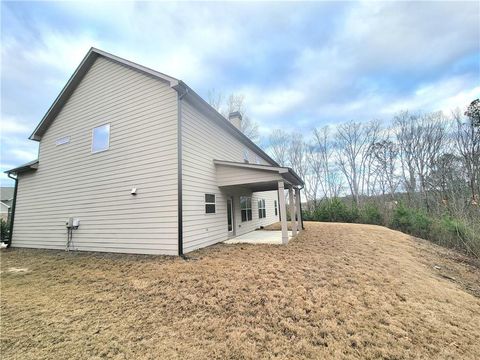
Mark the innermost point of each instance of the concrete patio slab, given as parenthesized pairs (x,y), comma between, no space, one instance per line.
(259,237)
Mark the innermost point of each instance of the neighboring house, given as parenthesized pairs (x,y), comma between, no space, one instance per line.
(146,165)
(6,199)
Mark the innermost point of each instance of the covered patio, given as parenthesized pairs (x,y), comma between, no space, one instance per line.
(256,178)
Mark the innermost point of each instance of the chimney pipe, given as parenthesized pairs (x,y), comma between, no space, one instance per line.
(236,119)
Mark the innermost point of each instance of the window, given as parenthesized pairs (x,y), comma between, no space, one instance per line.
(101,138)
(63,140)
(257,159)
(262,212)
(246,208)
(245,155)
(209,203)
(276,207)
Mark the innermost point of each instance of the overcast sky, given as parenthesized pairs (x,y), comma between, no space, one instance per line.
(298,64)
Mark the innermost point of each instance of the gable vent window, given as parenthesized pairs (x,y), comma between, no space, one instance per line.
(245,155)
(209,203)
(62,141)
(101,138)
(262,212)
(257,159)
(246,208)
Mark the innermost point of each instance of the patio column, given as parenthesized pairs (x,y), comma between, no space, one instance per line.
(299,209)
(292,211)
(283,212)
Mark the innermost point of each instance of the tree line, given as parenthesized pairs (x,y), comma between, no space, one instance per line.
(430,160)
(418,172)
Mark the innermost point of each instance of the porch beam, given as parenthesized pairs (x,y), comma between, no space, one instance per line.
(283,212)
(292,211)
(299,209)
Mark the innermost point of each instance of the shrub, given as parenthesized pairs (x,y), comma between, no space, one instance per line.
(371,214)
(455,233)
(335,211)
(4,230)
(411,221)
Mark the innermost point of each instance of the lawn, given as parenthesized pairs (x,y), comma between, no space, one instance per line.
(336,291)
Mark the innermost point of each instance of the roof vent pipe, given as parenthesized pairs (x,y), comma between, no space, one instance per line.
(236,119)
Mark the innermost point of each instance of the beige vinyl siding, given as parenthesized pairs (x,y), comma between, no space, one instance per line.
(202,142)
(256,222)
(71,181)
(230,175)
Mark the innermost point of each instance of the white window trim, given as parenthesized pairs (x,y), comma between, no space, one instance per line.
(246,209)
(109,133)
(210,203)
(262,206)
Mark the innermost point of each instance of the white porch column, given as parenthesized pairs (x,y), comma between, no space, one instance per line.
(299,212)
(292,211)
(283,212)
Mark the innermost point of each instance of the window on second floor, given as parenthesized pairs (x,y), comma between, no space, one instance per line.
(101,138)
(276,207)
(262,212)
(246,208)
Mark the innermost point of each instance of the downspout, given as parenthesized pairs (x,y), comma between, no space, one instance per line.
(12,212)
(180,174)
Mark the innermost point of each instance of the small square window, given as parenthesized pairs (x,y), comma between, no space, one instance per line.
(101,138)
(210,204)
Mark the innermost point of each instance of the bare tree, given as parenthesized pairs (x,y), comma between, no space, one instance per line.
(279,144)
(404,125)
(321,163)
(354,142)
(234,102)
(428,141)
(385,153)
(467,140)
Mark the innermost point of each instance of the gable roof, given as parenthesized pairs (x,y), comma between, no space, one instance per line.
(183,89)
(31,165)
(78,75)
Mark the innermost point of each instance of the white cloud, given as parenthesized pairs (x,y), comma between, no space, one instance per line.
(10,125)
(444,95)
(25,154)
(272,102)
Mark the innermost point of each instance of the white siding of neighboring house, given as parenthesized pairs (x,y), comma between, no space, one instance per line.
(71,181)
(202,142)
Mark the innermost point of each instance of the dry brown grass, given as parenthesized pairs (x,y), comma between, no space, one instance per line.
(337,291)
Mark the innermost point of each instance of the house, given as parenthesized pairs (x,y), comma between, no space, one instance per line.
(6,199)
(134,161)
